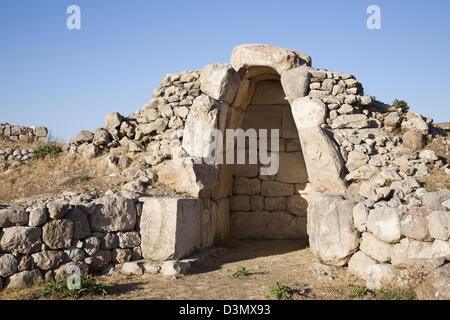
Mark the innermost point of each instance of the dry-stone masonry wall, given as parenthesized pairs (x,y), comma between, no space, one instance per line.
(24,134)
(14,157)
(43,239)
(383,245)
(155,130)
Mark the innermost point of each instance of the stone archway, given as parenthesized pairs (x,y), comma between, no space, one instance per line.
(227,91)
(270,206)
(258,62)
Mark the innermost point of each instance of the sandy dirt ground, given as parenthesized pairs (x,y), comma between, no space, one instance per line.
(286,261)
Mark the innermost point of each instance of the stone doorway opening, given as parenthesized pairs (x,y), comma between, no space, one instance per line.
(262,206)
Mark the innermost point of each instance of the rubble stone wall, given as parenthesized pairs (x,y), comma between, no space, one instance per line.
(385,246)
(44,238)
(14,157)
(24,134)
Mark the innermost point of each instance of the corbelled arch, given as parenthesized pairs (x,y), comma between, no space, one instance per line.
(226,93)
(258,62)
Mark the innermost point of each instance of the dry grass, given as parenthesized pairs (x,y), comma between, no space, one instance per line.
(52,176)
(437,179)
(6,143)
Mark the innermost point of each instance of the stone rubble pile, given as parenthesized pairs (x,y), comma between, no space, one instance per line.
(387,228)
(42,239)
(381,244)
(156,129)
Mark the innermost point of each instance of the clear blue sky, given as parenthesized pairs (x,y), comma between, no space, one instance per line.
(68,80)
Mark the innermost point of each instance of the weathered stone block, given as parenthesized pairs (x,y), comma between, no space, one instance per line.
(276,189)
(245,186)
(376,249)
(113,213)
(240,203)
(384,223)
(57,234)
(296,82)
(10,217)
(265,225)
(275,203)
(24,279)
(23,240)
(47,260)
(332,234)
(80,221)
(172,228)
(220,81)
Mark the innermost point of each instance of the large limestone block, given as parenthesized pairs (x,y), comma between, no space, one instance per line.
(332,235)
(113,120)
(47,260)
(276,189)
(113,213)
(413,140)
(359,264)
(266,225)
(435,199)
(352,121)
(244,94)
(292,168)
(439,225)
(24,279)
(246,186)
(415,123)
(384,223)
(376,249)
(206,116)
(414,227)
(57,234)
(246,170)
(252,58)
(240,203)
(11,217)
(324,163)
(8,265)
(308,112)
(173,228)
(219,81)
(296,83)
(225,188)
(40,131)
(23,240)
(185,176)
(80,221)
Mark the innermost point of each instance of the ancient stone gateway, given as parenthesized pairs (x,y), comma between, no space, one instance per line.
(263,87)
(343,178)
